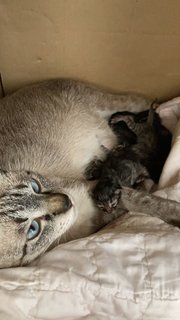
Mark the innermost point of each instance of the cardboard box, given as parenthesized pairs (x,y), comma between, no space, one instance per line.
(127,45)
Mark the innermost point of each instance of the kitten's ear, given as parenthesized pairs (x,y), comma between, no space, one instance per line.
(169,113)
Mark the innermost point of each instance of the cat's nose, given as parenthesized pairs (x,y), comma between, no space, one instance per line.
(57,203)
(67,202)
(63,201)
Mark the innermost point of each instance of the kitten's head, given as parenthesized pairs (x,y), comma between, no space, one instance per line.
(34,215)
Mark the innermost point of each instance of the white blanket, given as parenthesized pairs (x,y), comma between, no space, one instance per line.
(129,270)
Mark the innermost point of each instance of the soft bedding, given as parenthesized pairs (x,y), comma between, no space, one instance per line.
(129,270)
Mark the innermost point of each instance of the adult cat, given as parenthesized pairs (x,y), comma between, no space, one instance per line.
(49,134)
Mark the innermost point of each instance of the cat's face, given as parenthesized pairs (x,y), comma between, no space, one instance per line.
(34,215)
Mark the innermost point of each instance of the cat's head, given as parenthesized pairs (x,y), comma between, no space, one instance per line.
(34,215)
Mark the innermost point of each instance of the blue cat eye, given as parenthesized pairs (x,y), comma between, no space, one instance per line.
(33,230)
(35,186)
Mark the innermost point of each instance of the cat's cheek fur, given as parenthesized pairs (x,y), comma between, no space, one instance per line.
(11,254)
(60,224)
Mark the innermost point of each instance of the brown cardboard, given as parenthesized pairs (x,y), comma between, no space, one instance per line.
(128,45)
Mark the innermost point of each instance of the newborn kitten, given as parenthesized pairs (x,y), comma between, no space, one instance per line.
(143,147)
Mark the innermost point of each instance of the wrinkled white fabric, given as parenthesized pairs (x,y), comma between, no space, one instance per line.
(129,270)
(170,115)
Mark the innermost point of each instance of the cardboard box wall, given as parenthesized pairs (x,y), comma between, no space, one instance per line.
(128,45)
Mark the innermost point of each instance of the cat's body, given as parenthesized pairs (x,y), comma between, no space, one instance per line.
(61,124)
(56,128)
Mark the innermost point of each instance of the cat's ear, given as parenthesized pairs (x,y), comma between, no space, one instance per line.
(169,113)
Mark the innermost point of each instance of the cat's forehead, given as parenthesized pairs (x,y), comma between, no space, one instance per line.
(10,179)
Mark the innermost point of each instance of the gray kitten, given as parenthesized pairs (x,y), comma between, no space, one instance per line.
(49,134)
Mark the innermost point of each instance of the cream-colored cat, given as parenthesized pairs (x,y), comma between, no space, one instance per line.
(49,134)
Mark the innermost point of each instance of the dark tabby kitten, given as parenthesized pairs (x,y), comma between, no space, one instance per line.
(143,147)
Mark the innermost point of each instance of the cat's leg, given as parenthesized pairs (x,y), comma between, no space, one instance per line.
(140,201)
(103,101)
(107,104)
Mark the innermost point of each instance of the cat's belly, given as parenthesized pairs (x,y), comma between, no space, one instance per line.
(63,148)
(78,148)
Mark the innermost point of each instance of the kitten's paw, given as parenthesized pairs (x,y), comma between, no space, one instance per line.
(93,171)
(122,125)
(126,117)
